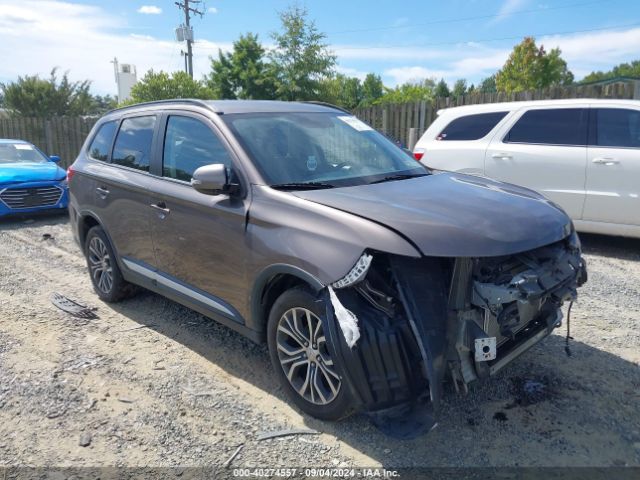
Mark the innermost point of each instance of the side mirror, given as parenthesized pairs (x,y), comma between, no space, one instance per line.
(54,158)
(210,179)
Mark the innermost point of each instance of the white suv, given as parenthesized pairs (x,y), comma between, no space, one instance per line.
(583,154)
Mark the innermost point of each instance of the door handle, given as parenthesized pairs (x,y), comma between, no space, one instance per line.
(102,192)
(161,207)
(605,161)
(502,156)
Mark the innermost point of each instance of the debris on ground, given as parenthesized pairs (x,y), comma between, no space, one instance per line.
(72,308)
(85,440)
(286,433)
(233,455)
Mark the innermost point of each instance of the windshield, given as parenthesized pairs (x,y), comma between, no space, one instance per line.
(319,149)
(20,153)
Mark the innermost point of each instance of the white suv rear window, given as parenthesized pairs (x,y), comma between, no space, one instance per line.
(471,127)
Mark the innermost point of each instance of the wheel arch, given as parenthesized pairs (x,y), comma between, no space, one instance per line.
(270,284)
(86,221)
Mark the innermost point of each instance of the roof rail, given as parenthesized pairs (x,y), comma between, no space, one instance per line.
(193,101)
(327,104)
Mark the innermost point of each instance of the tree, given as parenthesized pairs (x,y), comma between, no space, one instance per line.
(33,96)
(242,73)
(102,104)
(530,67)
(372,89)
(622,70)
(488,85)
(409,92)
(341,90)
(161,86)
(459,88)
(300,58)
(441,90)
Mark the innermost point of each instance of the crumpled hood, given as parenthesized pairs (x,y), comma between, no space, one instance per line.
(454,215)
(30,172)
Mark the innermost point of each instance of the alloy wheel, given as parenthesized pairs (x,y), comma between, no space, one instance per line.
(304,356)
(100,265)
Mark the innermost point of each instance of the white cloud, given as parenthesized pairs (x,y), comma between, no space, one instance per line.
(150,10)
(351,72)
(584,52)
(507,8)
(46,43)
(212,10)
(361,52)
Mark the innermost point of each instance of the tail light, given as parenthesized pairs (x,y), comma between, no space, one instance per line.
(70,172)
(418,153)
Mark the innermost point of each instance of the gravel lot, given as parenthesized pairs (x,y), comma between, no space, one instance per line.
(150,383)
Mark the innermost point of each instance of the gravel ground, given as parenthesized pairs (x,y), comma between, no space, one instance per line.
(150,383)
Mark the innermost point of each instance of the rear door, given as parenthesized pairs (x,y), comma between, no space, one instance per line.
(544,148)
(199,239)
(613,167)
(121,182)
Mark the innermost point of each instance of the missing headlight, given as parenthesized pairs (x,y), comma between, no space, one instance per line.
(356,274)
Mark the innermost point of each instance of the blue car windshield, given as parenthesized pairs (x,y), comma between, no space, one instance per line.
(20,153)
(319,149)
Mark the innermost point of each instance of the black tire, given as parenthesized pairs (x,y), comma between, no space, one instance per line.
(102,264)
(328,403)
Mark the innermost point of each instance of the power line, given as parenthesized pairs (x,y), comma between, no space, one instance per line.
(466,19)
(485,40)
(188,30)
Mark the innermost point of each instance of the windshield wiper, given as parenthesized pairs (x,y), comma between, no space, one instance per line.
(400,176)
(301,186)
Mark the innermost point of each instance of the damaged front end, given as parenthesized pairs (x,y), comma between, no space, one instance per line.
(401,326)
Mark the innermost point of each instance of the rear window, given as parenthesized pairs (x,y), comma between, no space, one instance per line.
(471,127)
(617,127)
(101,144)
(133,143)
(557,126)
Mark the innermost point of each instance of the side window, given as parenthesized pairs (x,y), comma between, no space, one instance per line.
(133,143)
(101,144)
(617,127)
(554,126)
(471,127)
(188,145)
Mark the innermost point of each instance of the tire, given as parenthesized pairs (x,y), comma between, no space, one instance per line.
(104,272)
(293,315)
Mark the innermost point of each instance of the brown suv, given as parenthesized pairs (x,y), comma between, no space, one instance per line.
(370,278)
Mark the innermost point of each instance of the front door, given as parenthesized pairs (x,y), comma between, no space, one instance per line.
(613,167)
(199,239)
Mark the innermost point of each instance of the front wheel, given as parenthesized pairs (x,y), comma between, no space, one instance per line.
(302,359)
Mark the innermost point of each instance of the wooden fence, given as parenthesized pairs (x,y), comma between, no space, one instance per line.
(61,136)
(397,120)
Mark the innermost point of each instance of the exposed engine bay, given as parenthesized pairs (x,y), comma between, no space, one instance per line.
(419,322)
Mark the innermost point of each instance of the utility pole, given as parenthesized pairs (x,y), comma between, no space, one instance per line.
(184,6)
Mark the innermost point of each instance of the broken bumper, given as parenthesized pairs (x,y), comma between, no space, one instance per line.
(421,321)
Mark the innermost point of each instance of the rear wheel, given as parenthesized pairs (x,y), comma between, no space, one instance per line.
(103,268)
(301,356)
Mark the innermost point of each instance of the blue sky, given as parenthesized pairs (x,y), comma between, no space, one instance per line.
(401,41)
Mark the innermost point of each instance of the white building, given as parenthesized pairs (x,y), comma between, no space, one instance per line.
(126,78)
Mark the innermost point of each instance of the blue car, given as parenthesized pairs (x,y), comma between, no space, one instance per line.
(29,180)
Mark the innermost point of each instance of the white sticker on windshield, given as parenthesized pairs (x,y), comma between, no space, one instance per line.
(22,146)
(355,123)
